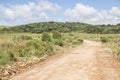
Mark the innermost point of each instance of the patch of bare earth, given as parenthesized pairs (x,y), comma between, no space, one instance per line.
(91,61)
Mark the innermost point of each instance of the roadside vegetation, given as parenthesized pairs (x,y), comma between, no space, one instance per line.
(24,45)
(113,42)
(15,45)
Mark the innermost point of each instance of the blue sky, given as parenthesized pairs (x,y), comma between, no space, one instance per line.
(16,12)
(99,4)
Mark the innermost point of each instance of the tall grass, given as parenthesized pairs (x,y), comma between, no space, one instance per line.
(15,45)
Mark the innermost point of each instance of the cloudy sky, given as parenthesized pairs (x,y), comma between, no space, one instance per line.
(16,12)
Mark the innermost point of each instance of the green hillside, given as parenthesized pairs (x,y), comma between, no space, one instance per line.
(64,27)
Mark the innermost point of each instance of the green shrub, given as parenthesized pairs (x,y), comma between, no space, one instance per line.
(41,48)
(34,43)
(75,43)
(12,56)
(39,53)
(46,37)
(49,49)
(24,53)
(71,34)
(7,58)
(38,46)
(56,35)
(24,37)
(3,58)
(104,39)
(80,40)
(3,61)
(59,42)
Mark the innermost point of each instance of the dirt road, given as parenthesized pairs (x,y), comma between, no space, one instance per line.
(91,61)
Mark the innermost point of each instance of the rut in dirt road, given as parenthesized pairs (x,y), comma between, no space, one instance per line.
(91,61)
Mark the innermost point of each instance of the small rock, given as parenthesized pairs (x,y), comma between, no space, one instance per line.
(5,73)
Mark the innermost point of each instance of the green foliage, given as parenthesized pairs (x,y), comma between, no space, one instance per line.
(24,37)
(24,53)
(11,50)
(114,44)
(17,45)
(38,46)
(41,48)
(56,35)
(38,53)
(12,56)
(3,61)
(49,49)
(104,39)
(46,37)
(80,40)
(64,27)
(59,42)
(7,58)
(34,43)
(71,34)
(3,58)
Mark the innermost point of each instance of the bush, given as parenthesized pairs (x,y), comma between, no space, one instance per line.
(12,56)
(46,37)
(24,53)
(104,39)
(71,34)
(56,35)
(80,40)
(34,43)
(75,43)
(59,42)
(3,58)
(41,48)
(49,49)
(3,61)
(24,37)
(39,53)
(44,48)
(7,58)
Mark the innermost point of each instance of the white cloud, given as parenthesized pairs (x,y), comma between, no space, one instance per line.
(80,12)
(29,12)
(88,14)
(115,11)
(43,10)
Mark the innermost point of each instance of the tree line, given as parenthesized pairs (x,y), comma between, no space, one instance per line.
(64,27)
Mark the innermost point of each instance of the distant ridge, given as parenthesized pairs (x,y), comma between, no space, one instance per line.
(64,27)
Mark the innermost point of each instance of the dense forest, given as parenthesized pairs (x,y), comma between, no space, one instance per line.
(64,27)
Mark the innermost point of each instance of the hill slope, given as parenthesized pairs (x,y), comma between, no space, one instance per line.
(64,27)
